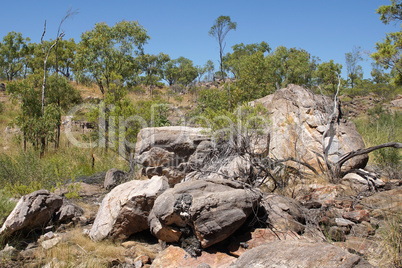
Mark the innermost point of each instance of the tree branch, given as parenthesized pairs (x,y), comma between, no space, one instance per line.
(350,155)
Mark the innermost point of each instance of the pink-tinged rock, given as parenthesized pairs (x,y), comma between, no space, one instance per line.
(357,215)
(258,237)
(298,120)
(299,253)
(362,246)
(173,257)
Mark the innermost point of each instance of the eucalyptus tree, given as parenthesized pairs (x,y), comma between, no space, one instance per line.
(241,52)
(152,66)
(109,56)
(327,75)
(354,70)
(180,71)
(389,51)
(209,67)
(291,66)
(106,52)
(219,30)
(14,51)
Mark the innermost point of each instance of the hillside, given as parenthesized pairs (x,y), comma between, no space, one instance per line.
(356,218)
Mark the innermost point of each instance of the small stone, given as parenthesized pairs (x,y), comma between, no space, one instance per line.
(48,244)
(49,236)
(336,234)
(138,264)
(343,222)
(357,215)
(128,244)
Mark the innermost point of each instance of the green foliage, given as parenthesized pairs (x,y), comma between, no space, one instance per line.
(6,206)
(209,67)
(242,52)
(378,74)
(254,80)
(386,91)
(65,51)
(327,75)
(391,12)
(37,126)
(354,70)
(14,53)
(180,71)
(291,66)
(152,66)
(125,119)
(107,52)
(212,99)
(221,27)
(382,127)
(388,52)
(24,172)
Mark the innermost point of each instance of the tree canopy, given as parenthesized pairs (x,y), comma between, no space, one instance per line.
(389,51)
(105,52)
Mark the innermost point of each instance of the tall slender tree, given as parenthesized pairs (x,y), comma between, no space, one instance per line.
(353,68)
(219,30)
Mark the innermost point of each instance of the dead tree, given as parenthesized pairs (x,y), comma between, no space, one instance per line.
(335,169)
(46,53)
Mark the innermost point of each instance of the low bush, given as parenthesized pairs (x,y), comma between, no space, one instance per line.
(381,127)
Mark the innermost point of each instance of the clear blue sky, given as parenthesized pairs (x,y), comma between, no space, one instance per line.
(326,29)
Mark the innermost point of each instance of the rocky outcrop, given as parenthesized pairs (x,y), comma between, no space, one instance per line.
(180,140)
(124,211)
(32,211)
(165,151)
(299,253)
(210,209)
(298,120)
(113,178)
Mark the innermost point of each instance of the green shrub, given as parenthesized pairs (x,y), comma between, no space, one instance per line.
(6,206)
(24,172)
(382,127)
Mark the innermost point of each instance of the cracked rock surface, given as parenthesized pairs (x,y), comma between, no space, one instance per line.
(213,208)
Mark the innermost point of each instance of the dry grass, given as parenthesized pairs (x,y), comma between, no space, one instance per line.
(389,250)
(77,249)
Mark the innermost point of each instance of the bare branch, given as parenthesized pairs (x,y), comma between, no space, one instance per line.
(352,154)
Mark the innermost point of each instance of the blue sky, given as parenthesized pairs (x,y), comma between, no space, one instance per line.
(326,29)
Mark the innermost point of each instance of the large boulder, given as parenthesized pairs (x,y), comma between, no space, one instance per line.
(211,209)
(284,213)
(124,211)
(180,140)
(32,211)
(299,253)
(298,120)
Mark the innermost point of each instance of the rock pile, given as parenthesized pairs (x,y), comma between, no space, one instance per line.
(219,219)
